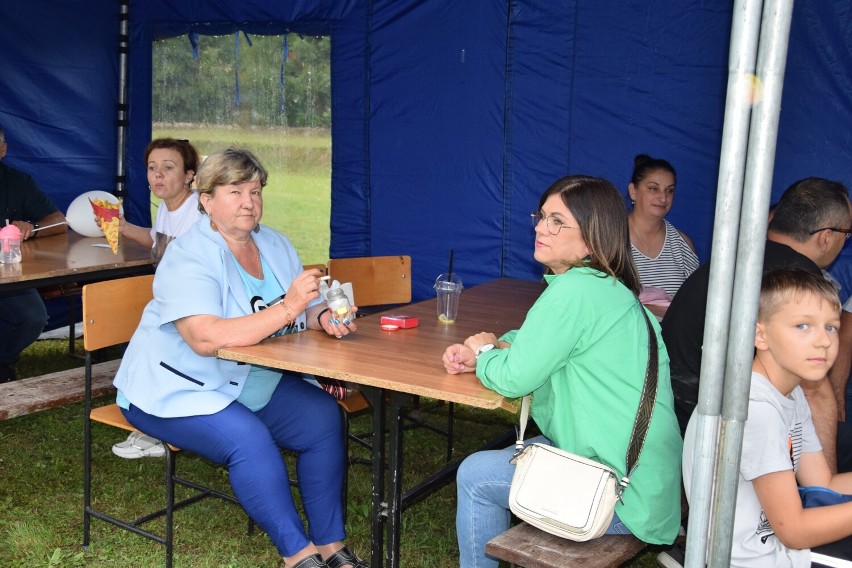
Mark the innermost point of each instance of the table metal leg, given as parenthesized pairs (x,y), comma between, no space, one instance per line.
(376,397)
(394,505)
(388,500)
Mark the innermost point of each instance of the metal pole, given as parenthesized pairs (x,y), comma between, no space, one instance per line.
(745,29)
(121,120)
(772,57)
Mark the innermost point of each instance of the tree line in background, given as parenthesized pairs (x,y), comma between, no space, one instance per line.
(236,80)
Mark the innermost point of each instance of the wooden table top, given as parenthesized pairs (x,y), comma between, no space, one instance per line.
(406,360)
(68,257)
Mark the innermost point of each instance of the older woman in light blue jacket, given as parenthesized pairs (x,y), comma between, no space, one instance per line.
(233,282)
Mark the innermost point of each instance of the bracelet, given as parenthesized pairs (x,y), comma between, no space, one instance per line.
(290,315)
(319,315)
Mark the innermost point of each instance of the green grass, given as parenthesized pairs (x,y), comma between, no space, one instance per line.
(40,502)
(41,493)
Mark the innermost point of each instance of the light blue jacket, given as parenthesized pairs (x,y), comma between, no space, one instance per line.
(160,373)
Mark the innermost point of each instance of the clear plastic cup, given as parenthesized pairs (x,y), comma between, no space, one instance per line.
(449,289)
(10,245)
(10,251)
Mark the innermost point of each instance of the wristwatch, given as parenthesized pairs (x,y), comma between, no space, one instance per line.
(483,348)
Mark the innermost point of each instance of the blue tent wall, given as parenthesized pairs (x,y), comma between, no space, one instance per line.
(590,87)
(815,129)
(461,151)
(450,118)
(346,22)
(58,83)
(437,107)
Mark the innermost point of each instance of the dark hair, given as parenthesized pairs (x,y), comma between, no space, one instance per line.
(643,164)
(781,286)
(186,150)
(599,210)
(810,204)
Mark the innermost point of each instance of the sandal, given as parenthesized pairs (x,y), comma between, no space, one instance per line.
(343,557)
(312,561)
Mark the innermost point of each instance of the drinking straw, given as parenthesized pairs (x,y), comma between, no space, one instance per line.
(450,270)
(49,226)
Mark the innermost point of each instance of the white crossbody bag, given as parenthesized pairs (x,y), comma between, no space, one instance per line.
(568,495)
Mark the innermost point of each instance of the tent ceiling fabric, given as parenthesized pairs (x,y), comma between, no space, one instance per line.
(450,118)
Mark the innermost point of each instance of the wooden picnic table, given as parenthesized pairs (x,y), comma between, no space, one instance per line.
(69,257)
(391,366)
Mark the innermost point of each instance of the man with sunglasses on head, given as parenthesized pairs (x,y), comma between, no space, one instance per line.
(807,230)
(22,314)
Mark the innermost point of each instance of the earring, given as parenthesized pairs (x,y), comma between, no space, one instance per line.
(213,226)
(256,228)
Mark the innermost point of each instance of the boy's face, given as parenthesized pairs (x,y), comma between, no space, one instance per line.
(800,340)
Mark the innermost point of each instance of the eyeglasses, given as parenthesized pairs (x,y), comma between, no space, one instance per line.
(847,232)
(554,224)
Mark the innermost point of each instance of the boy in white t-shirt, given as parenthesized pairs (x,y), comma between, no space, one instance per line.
(796,340)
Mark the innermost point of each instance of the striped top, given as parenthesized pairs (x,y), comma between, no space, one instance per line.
(671,267)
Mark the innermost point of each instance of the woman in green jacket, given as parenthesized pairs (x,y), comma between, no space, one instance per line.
(582,352)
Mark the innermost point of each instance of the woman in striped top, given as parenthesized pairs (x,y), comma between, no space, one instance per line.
(664,256)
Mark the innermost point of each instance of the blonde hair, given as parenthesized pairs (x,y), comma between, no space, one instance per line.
(781,286)
(231,166)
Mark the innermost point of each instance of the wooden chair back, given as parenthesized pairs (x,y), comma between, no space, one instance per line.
(112,310)
(376,280)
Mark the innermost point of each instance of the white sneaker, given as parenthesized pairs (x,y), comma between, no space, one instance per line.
(138,445)
(672,558)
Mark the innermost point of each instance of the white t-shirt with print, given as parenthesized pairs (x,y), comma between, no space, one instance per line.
(171,224)
(776,433)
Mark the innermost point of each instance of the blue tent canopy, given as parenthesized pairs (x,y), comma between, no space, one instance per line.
(449,118)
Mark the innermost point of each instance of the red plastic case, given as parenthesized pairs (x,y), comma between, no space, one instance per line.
(404,322)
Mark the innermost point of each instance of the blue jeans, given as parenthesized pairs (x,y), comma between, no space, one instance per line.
(299,417)
(22,319)
(483,483)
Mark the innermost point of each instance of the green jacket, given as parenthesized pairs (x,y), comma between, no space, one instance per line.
(582,352)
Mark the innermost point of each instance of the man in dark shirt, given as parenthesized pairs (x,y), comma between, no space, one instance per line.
(803,233)
(22,314)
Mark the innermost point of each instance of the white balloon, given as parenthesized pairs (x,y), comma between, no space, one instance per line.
(81,217)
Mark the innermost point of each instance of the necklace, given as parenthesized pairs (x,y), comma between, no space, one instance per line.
(248,259)
(645,247)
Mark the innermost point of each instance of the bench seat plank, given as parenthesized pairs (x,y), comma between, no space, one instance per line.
(527,546)
(33,394)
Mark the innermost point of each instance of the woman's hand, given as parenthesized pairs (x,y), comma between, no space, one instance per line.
(459,358)
(303,290)
(474,342)
(338,329)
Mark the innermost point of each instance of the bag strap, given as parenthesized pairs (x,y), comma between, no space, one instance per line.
(643,414)
(646,402)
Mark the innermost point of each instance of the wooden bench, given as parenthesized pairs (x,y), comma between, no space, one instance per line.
(526,546)
(26,396)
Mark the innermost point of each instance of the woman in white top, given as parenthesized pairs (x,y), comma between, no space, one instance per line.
(171,169)
(664,256)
